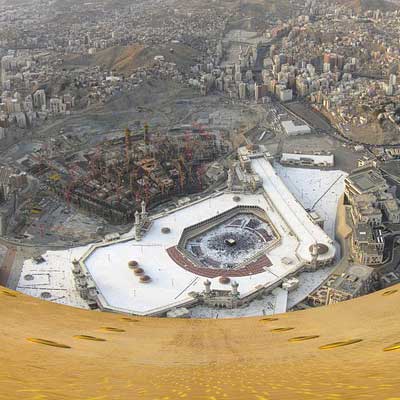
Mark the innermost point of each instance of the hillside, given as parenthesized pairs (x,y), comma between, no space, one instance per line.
(362,5)
(125,59)
(112,58)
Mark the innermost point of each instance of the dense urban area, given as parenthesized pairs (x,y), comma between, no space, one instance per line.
(227,158)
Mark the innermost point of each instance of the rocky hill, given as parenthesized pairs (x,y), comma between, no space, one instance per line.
(362,5)
(125,59)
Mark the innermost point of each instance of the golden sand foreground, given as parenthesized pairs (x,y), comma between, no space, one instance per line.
(350,350)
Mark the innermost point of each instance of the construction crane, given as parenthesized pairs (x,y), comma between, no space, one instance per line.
(200,173)
(188,147)
(118,194)
(181,174)
(146,138)
(42,230)
(94,163)
(146,191)
(138,197)
(71,184)
(280,148)
(127,149)
(132,180)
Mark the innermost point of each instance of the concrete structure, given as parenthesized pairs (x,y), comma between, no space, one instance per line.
(12,183)
(39,99)
(171,165)
(175,276)
(365,180)
(56,106)
(291,129)
(286,241)
(284,94)
(371,206)
(298,181)
(179,313)
(389,279)
(367,245)
(4,215)
(356,281)
(390,208)
(308,160)
(364,211)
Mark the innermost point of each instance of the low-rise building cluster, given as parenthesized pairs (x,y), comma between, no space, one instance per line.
(12,183)
(372,205)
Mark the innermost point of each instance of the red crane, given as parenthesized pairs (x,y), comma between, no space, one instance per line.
(74,177)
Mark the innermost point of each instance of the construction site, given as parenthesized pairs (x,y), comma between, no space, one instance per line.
(112,179)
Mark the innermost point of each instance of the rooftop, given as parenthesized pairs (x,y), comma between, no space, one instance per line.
(171,285)
(353,279)
(364,233)
(291,128)
(316,158)
(367,180)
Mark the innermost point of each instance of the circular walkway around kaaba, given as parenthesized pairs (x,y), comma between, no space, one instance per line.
(253,267)
(230,242)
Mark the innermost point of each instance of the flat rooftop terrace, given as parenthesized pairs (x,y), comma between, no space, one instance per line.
(366,180)
(292,211)
(170,283)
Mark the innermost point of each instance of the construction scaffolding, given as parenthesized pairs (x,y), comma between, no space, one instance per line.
(115,177)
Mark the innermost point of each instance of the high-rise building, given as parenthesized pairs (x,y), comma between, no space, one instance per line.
(242,90)
(56,106)
(39,99)
(257,92)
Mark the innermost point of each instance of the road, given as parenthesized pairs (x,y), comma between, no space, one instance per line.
(333,132)
(6,267)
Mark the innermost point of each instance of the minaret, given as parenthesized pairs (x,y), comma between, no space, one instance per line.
(143,214)
(146,138)
(230,179)
(314,255)
(137,226)
(207,285)
(76,269)
(235,286)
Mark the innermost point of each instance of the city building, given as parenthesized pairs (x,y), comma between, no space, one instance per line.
(358,280)
(367,245)
(39,100)
(319,160)
(291,128)
(365,180)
